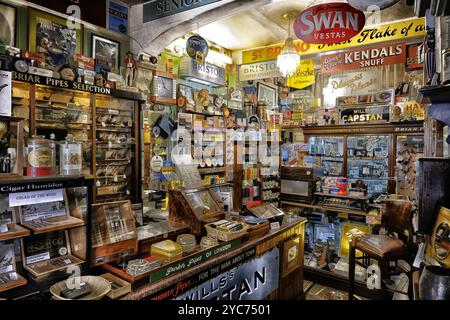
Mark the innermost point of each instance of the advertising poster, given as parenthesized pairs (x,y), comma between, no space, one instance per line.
(118,17)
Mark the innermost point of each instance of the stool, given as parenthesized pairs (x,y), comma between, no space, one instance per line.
(384,248)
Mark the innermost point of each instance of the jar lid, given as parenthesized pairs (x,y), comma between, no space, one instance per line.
(209,242)
(39,140)
(187,240)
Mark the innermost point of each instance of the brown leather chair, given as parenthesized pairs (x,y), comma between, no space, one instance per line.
(397,217)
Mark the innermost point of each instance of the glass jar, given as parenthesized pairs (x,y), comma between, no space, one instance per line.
(40,157)
(70,157)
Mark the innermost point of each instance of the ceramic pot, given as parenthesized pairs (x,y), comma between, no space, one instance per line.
(435,283)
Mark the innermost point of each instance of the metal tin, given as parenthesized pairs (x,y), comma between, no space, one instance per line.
(41,157)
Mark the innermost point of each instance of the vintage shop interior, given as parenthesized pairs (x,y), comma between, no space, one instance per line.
(149,150)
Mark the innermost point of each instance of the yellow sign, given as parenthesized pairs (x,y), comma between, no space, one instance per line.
(402,30)
(304,76)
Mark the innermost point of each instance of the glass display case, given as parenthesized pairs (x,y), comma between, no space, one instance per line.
(113,232)
(368,161)
(327,153)
(115,149)
(60,113)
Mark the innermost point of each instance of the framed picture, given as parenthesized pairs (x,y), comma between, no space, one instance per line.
(292,257)
(163,88)
(8,23)
(267,94)
(106,52)
(186,91)
(51,36)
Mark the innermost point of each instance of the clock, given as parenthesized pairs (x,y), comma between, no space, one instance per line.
(163,88)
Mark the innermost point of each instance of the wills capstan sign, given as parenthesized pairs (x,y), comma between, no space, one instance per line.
(329,23)
(364,58)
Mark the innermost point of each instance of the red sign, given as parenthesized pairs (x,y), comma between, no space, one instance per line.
(364,58)
(329,23)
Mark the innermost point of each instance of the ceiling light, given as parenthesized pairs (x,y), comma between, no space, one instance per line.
(289,59)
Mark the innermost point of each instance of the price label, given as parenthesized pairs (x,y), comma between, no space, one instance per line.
(38,258)
(275,226)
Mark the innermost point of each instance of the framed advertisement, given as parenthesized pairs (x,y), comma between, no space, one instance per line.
(292,257)
(51,36)
(106,52)
(267,94)
(8,22)
(118,14)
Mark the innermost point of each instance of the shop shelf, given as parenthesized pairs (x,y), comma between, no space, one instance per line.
(15,232)
(57,224)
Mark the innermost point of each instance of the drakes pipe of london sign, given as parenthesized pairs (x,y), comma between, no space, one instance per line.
(164,8)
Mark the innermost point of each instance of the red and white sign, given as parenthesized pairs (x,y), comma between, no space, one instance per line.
(329,23)
(364,58)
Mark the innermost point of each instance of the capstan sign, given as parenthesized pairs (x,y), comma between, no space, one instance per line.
(329,23)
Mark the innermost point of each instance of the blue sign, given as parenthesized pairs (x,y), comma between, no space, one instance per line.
(197,48)
(163,8)
(118,17)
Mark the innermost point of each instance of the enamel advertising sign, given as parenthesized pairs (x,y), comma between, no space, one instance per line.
(329,23)
(364,58)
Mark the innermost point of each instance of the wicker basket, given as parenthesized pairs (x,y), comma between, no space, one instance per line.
(226,236)
(99,286)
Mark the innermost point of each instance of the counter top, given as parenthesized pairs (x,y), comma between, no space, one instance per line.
(153,288)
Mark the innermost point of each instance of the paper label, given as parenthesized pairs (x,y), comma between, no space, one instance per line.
(3,228)
(6,269)
(38,258)
(275,226)
(35,197)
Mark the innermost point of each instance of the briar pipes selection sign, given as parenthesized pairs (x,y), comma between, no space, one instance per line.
(364,58)
(163,8)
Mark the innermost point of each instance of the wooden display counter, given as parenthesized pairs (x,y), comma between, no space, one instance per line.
(269,267)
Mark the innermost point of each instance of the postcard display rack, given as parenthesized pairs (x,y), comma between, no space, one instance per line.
(46,223)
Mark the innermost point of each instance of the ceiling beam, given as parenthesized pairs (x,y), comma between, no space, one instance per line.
(154,43)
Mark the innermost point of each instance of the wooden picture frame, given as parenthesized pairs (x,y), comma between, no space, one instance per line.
(8,20)
(292,256)
(268,94)
(43,38)
(163,88)
(99,46)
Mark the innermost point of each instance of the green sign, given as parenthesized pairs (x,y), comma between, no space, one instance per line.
(164,8)
(191,262)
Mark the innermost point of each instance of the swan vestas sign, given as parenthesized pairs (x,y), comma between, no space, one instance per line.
(329,23)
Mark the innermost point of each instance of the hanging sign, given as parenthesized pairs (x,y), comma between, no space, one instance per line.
(189,68)
(329,23)
(253,280)
(158,9)
(364,58)
(197,48)
(397,31)
(118,17)
(258,71)
(304,76)
(350,84)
